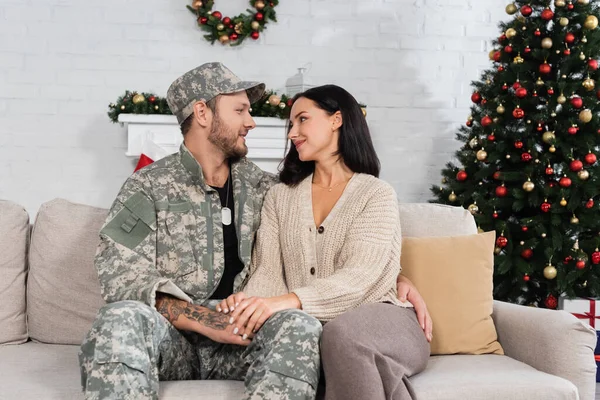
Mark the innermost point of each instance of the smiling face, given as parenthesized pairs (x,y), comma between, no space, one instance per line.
(313,131)
(230,124)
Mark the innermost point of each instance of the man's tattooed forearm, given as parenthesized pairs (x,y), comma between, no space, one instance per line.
(206,317)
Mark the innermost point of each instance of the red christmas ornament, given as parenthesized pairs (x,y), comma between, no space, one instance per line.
(526,11)
(593,65)
(230,26)
(491,137)
(537,33)
(468,123)
(550,91)
(567,52)
(539,127)
(590,158)
(551,302)
(461,176)
(551,184)
(518,113)
(486,121)
(526,278)
(576,165)
(596,257)
(521,92)
(526,157)
(572,130)
(547,14)
(524,228)
(497,56)
(505,87)
(549,171)
(577,102)
(290,102)
(259,16)
(527,254)
(497,175)
(476,97)
(564,182)
(227,20)
(255,35)
(502,38)
(569,38)
(508,49)
(516,85)
(501,191)
(527,50)
(483,101)
(217,15)
(589,204)
(233,37)
(152,99)
(567,260)
(570,6)
(495,215)
(500,68)
(546,206)
(545,68)
(502,241)
(203,20)
(518,144)
(580,264)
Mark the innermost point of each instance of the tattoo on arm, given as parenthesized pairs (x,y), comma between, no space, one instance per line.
(172,308)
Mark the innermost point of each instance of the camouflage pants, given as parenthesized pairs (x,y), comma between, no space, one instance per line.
(131,347)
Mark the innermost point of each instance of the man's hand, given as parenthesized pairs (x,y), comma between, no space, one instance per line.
(253,312)
(195,318)
(408,291)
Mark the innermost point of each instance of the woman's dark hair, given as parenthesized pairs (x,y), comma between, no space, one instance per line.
(355,146)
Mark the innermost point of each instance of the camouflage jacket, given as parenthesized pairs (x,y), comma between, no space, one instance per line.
(164,232)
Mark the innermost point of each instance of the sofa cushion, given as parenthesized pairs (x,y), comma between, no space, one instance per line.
(454,274)
(427,219)
(63,292)
(489,377)
(14,235)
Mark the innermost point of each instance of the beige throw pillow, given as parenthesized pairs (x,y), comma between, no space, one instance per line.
(454,274)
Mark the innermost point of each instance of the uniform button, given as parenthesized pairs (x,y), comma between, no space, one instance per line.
(312,271)
(321,229)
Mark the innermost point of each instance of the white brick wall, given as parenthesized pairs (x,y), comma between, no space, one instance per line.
(63,61)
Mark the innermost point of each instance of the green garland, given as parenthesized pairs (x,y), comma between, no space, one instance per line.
(270,105)
(234,30)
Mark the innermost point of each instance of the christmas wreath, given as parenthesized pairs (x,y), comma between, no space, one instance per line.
(234,30)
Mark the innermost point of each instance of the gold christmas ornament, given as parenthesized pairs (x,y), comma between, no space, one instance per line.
(223,39)
(539,81)
(561,99)
(591,22)
(584,2)
(560,3)
(470,118)
(564,21)
(255,25)
(473,143)
(528,186)
(259,5)
(552,149)
(585,116)
(473,208)
(581,56)
(508,156)
(363,109)
(543,235)
(511,9)
(518,59)
(481,155)
(511,33)
(574,219)
(274,100)
(500,109)
(584,40)
(550,272)
(156,107)
(548,137)
(196,4)
(563,202)
(547,43)
(452,197)
(583,175)
(123,107)
(589,84)
(220,27)
(282,106)
(497,250)
(138,98)
(495,119)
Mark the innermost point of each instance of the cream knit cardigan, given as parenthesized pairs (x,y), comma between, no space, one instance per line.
(353,258)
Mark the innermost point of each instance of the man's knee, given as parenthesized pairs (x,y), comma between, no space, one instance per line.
(294,322)
(125,314)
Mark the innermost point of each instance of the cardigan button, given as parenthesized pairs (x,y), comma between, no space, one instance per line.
(312,271)
(321,229)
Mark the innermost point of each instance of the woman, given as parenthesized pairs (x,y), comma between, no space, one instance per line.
(329,244)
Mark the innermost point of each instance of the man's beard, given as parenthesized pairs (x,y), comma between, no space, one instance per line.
(226,140)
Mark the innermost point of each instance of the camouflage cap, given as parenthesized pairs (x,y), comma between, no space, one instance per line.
(205,83)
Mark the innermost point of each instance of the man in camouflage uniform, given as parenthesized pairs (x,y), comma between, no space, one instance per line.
(177,239)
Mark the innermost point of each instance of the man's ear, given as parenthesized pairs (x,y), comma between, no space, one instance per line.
(202,114)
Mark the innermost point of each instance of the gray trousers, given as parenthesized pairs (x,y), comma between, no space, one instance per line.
(371,351)
(131,347)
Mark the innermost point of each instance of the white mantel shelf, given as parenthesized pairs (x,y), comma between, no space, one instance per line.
(266,143)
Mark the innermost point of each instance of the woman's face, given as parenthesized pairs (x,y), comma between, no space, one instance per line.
(313,131)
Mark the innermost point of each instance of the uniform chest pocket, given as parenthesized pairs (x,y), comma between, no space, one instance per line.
(181,227)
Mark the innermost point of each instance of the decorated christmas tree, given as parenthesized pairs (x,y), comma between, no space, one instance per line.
(528,165)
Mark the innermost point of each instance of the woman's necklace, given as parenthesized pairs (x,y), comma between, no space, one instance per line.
(330,188)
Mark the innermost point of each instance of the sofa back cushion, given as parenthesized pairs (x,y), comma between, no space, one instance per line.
(14,235)
(63,292)
(427,219)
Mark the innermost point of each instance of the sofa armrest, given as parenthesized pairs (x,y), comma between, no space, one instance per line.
(551,341)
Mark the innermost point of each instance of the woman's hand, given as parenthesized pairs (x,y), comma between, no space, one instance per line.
(230,303)
(408,291)
(253,312)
